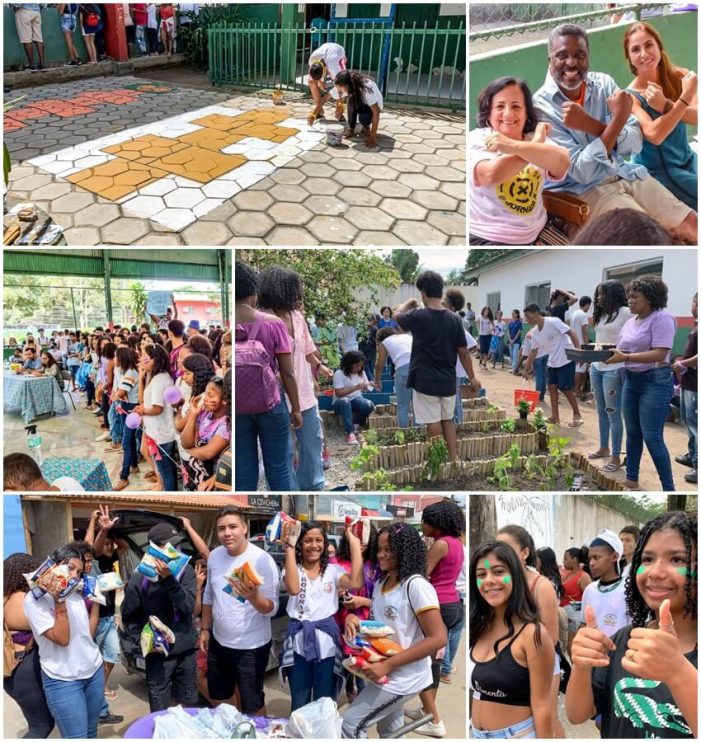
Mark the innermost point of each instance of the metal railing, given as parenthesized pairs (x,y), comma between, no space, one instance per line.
(413,65)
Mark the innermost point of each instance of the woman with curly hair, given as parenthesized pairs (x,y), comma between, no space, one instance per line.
(407,602)
(281,295)
(71,664)
(23,684)
(511,657)
(546,601)
(349,383)
(311,654)
(610,314)
(644,346)
(644,679)
(364,103)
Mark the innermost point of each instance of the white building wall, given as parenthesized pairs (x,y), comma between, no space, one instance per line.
(581,270)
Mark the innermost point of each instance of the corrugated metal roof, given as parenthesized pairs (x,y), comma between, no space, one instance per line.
(184,499)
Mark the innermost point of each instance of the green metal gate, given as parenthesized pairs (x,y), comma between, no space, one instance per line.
(413,65)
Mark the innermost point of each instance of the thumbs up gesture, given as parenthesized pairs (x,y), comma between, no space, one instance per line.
(591,646)
(654,653)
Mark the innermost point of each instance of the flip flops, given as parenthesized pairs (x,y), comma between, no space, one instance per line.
(575,423)
(611,467)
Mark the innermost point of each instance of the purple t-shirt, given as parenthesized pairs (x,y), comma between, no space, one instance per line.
(657,330)
(272,334)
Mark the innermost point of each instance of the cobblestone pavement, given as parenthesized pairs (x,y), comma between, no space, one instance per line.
(113,164)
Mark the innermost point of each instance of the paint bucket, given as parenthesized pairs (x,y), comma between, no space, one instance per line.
(334,134)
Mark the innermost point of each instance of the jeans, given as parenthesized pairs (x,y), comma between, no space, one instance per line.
(350,409)
(310,681)
(451,650)
(457,415)
(90,391)
(540,369)
(75,704)
(646,398)
(690,418)
(309,476)
(140,36)
(105,407)
(515,355)
(498,356)
(272,430)
(607,387)
(403,395)
(25,687)
(166,466)
(116,422)
(522,730)
(129,448)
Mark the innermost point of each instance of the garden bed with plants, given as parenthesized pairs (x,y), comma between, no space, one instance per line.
(479,409)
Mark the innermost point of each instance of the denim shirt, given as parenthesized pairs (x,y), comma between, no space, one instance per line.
(590,164)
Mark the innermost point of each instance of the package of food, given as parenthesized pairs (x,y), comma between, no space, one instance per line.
(355,666)
(369,654)
(359,527)
(244,574)
(156,637)
(375,628)
(91,590)
(284,529)
(51,573)
(385,646)
(109,581)
(175,560)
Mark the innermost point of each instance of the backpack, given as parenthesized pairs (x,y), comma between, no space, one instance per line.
(257,390)
(92,20)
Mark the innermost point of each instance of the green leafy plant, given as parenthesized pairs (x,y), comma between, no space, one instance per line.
(502,465)
(193,38)
(486,427)
(539,421)
(508,425)
(436,456)
(366,455)
(492,410)
(399,437)
(371,437)
(531,468)
(379,480)
(523,407)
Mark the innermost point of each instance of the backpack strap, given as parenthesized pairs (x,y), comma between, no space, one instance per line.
(411,605)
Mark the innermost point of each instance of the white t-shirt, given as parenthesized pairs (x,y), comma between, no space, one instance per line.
(321,601)
(485,325)
(608,332)
(609,608)
(511,212)
(331,54)
(341,381)
(63,342)
(552,339)
(68,484)
(398,348)
(235,624)
(370,92)
(396,611)
(347,338)
(471,343)
(159,427)
(579,319)
(81,658)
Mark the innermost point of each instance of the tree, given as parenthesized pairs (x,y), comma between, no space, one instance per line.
(406,263)
(482,519)
(676,502)
(138,302)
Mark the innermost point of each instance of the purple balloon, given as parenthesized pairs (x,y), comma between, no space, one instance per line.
(133,420)
(172,395)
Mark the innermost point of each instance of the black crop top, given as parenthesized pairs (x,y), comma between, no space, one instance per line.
(501,679)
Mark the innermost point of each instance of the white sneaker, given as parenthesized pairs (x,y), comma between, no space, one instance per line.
(415,714)
(432,730)
(352,440)
(103,437)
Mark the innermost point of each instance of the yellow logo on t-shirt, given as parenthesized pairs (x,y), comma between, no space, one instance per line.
(520,193)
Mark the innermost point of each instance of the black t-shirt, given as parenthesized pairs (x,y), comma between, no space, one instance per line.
(106,564)
(437,335)
(632,707)
(559,310)
(690,378)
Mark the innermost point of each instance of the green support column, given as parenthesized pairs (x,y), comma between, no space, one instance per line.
(108,287)
(288,43)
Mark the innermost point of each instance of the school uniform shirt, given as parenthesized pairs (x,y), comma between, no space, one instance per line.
(321,601)
(552,340)
(341,381)
(398,348)
(332,55)
(578,320)
(235,624)
(129,383)
(399,608)
(81,658)
(633,707)
(370,92)
(159,427)
(459,369)
(609,607)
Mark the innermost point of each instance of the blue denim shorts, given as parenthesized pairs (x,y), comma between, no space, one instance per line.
(522,730)
(68,22)
(107,639)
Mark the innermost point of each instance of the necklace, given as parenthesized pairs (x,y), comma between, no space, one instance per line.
(608,588)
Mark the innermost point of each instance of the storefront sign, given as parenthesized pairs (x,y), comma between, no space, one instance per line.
(266,503)
(343,508)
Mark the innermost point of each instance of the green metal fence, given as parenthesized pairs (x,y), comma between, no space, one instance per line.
(413,65)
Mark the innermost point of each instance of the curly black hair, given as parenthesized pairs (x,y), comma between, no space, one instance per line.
(202,368)
(13,570)
(686,525)
(455,298)
(245,281)
(349,359)
(431,283)
(280,289)
(521,602)
(653,288)
(228,389)
(446,516)
(200,344)
(307,526)
(369,552)
(384,332)
(523,539)
(609,297)
(406,544)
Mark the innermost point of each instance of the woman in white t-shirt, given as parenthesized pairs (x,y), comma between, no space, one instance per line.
(349,383)
(397,346)
(610,314)
(159,428)
(71,663)
(364,102)
(407,602)
(510,160)
(485,327)
(311,655)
